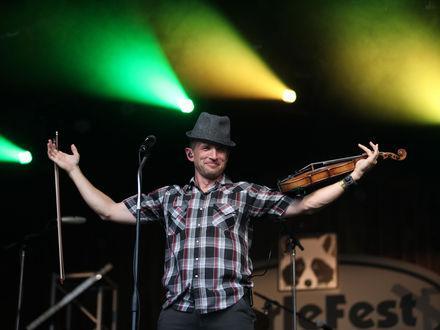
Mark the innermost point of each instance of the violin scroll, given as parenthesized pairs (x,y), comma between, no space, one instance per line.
(401,154)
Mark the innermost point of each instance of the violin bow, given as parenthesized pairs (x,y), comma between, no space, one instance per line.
(58,207)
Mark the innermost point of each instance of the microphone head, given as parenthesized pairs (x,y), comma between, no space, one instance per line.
(151,139)
(148,143)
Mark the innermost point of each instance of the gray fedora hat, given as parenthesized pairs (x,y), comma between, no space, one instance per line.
(212,128)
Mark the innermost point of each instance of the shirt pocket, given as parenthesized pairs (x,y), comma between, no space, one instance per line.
(176,219)
(225,216)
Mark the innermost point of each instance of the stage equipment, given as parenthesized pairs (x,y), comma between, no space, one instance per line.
(73,220)
(11,153)
(289,96)
(288,272)
(186,105)
(291,244)
(70,298)
(268,303)
(144,154)
(319,172)
(20,287)
(24,243)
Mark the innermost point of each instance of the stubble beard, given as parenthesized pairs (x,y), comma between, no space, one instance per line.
(210,174)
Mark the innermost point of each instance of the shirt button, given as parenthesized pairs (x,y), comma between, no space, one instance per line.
(201,209)
(197,242)
(197,259)
(198,225)
(196,275)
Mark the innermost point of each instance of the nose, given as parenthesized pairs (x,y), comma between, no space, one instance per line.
(214,153)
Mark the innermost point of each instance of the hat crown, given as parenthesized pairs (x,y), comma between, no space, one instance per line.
(212,128)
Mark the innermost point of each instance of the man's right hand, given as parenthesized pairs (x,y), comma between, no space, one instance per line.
(66,161)
(99,202)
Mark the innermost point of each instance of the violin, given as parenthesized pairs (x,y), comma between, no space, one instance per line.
(319,172)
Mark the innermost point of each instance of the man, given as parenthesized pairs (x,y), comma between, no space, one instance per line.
(207,266)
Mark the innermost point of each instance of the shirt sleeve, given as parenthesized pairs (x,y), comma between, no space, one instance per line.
(265,201)
(151,205)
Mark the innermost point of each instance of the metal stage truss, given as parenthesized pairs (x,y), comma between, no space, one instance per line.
(97,280)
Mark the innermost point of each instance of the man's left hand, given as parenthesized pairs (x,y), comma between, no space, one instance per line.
(364,165)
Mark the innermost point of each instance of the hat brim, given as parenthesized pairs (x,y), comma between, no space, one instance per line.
(210,140)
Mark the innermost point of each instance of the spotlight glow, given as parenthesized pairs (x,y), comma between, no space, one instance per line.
(186,105)
(388,61)
(24,157)
(11,153)
(212,58)
(116,56)
(289,96)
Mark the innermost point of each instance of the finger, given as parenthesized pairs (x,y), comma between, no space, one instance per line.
(74,149)
(51,154)
(375,149)
(364,148)
(51,146)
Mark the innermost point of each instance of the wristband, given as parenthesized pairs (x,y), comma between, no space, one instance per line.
(347,182)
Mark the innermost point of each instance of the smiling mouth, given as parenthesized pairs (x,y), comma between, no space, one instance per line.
(212,164)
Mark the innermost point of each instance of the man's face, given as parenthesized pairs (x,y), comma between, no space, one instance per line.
(209,160)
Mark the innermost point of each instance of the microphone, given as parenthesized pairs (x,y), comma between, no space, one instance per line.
(148,143)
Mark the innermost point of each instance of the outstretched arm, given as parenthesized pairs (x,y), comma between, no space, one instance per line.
(324,196)
(99,202)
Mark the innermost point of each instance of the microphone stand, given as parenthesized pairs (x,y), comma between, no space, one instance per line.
(135,297)
(292,243)
(23,243)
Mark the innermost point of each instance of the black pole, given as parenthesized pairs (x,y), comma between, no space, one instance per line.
(135,297)
(20,286)
(292,243)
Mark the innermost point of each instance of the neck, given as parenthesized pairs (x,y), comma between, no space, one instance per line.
(204,183)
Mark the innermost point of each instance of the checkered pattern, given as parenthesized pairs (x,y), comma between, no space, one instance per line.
(207,264)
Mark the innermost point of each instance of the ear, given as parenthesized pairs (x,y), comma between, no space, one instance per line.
(189,154)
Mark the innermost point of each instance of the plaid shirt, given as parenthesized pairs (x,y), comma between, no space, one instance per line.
(207,264)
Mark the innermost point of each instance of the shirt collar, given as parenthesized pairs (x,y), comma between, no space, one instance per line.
(224,180)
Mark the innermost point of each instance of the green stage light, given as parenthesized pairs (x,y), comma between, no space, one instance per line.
(115,56)
(186,105)
(11,153)
(24,157)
